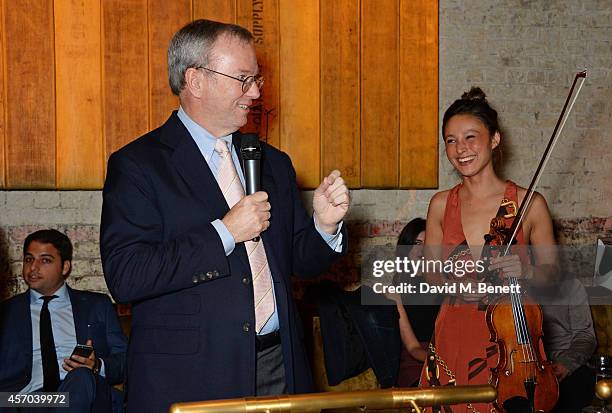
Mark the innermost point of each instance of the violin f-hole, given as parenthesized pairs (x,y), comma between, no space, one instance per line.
(511,370)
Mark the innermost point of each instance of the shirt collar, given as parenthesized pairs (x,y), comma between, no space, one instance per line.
(203,139)
(62,295)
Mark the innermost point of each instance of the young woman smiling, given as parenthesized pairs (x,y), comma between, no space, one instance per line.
(457,221)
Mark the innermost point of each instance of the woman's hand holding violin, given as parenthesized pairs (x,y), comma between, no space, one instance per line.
(511,266)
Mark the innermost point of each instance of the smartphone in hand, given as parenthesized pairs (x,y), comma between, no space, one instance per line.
(82,350)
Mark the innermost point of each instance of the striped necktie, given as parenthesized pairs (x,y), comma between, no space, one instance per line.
(232,189)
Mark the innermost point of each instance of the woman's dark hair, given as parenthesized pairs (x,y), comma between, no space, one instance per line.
(405,242)
(411,231)
(473,103)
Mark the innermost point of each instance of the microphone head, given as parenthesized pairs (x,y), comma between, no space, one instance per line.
(250,147)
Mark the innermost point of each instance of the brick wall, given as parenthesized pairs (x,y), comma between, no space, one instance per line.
(523,53)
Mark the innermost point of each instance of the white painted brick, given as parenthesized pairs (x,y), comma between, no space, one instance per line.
(19,199)
(47,199)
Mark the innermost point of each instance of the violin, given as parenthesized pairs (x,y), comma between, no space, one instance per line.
(524,379)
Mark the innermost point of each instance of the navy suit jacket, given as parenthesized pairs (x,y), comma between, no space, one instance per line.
(94,318)
(192,335)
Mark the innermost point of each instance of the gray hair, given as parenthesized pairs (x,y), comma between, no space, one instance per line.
(192,45)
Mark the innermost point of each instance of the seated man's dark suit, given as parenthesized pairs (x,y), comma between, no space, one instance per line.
(94,318)
(193,335)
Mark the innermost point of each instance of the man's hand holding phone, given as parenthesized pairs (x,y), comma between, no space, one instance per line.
(82,356)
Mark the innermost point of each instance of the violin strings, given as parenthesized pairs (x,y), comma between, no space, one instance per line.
(530,348)
(518,325)
(526,338)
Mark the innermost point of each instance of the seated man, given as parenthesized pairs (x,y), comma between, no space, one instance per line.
(569,341)
(40,328)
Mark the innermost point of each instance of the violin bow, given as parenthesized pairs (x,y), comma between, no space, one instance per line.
(567,108)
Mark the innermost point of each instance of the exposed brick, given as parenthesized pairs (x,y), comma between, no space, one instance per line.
(83,233)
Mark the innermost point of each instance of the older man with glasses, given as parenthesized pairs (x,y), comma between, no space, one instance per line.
(213,315)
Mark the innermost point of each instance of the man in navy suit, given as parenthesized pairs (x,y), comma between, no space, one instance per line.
(29,361)
(174,241)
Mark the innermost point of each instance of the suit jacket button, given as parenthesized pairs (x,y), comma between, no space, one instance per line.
(246,280)
(215,273)
(195,279)
(246,327)
(202,276)
(209,275)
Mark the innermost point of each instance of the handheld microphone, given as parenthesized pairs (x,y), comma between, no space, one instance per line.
(251,162)
(250,149)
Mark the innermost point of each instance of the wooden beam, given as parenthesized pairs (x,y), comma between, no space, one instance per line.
(78,69)
(126,85)
(165,19)
(30,87)
(340,84)
(418,94)
(299,88)
(379,94)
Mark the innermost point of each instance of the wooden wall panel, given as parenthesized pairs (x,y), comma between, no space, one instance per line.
(78,68)
(244,12)
(340,109)
(126,90)
(299,88)
(165,18)
(418,94)
(349,85)
(379,93)
(2,98)
(30,118)
(244,18)
(219,10)
(262,17)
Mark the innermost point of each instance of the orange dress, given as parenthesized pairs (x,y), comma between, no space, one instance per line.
(461,337)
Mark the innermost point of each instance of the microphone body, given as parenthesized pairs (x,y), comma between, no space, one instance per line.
(250,149)
(252,175)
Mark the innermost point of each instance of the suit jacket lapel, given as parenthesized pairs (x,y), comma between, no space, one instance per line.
(268,184)
(25,333)
(189,163)
(80,313)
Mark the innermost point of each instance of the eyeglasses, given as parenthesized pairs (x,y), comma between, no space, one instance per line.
(247,82)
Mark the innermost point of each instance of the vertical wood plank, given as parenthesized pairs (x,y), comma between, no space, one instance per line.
(2,99)
(30,87)
(219,10)
(165,19)
(244,13)
(126,91)
(418,94)
(78,68)
(379,94)
(261,18)
(340,117)
(299,88)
